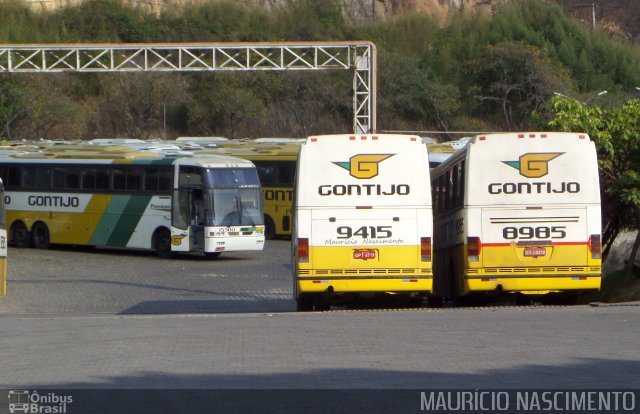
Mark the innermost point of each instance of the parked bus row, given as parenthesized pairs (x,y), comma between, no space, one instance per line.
(374,215)
(507,213)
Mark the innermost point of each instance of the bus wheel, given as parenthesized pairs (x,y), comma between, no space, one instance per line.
(162,243)
(212,255)
(304,303)
(40,236)
(269,228)
(20,235)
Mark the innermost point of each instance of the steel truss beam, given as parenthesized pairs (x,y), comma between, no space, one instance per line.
(359,57)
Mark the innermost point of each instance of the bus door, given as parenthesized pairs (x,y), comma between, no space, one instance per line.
(181,230)
(188,220)
(196,220)
(189,210)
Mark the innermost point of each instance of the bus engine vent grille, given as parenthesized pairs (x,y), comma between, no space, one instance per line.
(368,271)
(546,269)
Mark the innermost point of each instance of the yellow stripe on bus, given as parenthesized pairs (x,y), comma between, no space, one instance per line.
(340,257)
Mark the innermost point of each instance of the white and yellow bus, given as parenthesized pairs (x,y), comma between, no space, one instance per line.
(362,219)
(209,204)
(3,244)
(518,213)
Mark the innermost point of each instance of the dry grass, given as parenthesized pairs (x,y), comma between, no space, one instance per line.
(616,289)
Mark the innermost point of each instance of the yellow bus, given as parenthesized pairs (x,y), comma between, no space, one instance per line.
(362,219)
(518,214)
(3,244)
(131,199)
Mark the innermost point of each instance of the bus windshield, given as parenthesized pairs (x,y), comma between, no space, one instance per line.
(231,178)
(236,207)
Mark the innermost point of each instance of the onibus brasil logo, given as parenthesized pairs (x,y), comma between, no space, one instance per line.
(534,164)
(26,401)
(363,166)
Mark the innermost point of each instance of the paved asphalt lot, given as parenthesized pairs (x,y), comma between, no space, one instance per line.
(68,281)
(114,319)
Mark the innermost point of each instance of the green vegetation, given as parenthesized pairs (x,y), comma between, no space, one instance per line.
(473,72)
(616,287)
(616,133)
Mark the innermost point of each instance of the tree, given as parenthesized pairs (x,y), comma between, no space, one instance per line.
(136,104)
(514,78)
(616,133)
(221,104)
(12,93)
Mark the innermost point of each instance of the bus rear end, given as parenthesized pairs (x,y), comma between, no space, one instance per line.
(362,220)
(533,216)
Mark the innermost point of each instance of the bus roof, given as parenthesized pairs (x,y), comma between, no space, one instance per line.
(528,168)
(347,170)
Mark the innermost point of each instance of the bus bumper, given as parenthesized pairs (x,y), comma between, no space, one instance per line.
(401,284)
(532,284)
(232,244)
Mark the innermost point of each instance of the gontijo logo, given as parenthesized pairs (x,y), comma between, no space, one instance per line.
(534,164)
(363,166)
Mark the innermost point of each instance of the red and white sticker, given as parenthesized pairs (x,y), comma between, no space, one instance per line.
(364,254)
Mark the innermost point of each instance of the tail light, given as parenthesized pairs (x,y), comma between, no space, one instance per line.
(595,246)
(303,250)
(473,249)
(425,249)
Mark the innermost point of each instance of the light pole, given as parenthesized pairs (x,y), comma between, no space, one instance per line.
(588,100)
(593,97)
(564,96)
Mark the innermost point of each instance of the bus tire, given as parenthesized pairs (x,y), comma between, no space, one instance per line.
(304,303)
(162,243)
(40,236)
(20,235)
(212,255)
(269,228)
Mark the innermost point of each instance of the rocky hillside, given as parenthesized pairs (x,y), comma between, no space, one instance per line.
(619,18)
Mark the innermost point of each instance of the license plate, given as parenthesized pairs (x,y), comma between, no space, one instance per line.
(364,254)
(535,251)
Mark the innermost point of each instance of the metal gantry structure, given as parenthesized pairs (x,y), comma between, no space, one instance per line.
(358,57)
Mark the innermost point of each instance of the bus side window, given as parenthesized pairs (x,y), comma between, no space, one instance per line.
(29,176)
(286,171)
(454,186)
(134,179)
(72,180)
(59,176)
(461,185)
(102,178)
(157,179)
(190,176)
(119,179)
(14,179)
(266,172)
(165,179)
(151,179)
(3,174)
(88,178)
